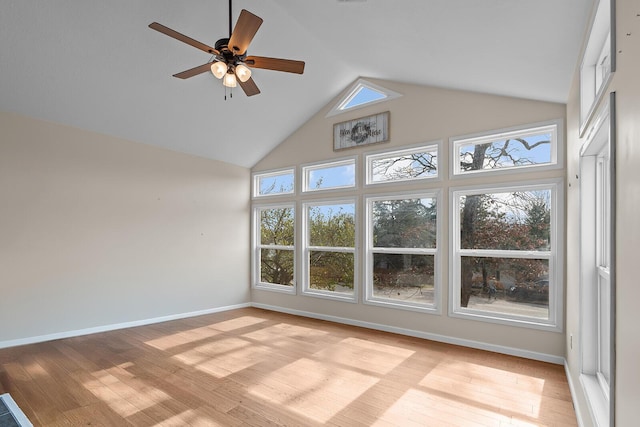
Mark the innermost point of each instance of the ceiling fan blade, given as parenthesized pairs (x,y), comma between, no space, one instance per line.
(243,33)
(185,39)
(194,71)
(277,64)
(249,87)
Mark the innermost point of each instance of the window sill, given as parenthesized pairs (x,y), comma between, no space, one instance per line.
(398,305)
(522,322)
(291,290)
(596,400)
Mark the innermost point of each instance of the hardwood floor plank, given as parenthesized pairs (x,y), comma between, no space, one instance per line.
(252,367)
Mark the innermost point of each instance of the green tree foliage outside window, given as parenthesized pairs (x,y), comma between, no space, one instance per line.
(331,227)
(277,230)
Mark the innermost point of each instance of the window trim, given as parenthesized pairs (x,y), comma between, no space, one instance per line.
(257,246)
(345,161)
(555,255)
(601,39)
(600,136)
(255,182)
(369,299)
(305,289)
(353,90)
(375,155)
(556,160)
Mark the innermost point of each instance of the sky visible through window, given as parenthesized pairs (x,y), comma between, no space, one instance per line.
(277,183)
(364,96)
(332,177)
(517,154)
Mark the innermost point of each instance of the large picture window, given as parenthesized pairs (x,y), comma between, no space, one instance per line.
(329,249)
(274,256)
(402,238)
(505,258)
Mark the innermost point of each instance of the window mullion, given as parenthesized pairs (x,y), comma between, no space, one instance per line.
(496,253)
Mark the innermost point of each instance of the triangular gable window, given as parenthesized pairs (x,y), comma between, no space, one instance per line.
(361,94)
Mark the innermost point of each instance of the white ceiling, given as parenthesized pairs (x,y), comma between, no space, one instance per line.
(96,65)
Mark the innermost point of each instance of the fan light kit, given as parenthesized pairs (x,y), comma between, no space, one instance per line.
(230,62)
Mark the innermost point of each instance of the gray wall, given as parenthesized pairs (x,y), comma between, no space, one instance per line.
(98,231)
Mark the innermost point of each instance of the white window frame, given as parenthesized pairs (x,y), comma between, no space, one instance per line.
(307,248)
(306,169)
(383,154)
(556,159)
(369,298)
(258,246)
(600,46)
(554,256)
(355,88)
(257,176)
(597,258)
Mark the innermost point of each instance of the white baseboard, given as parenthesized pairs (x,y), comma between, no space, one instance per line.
(572,390)
(113,327)
(419,334)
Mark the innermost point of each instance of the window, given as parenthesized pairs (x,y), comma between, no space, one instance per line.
(402,257)
(329,176)
(509,150)
(598,61)
(273,183)
(403,165)
(361,94)
(504,251)
(505,254)
(597,191)
(274,256)
(329,249)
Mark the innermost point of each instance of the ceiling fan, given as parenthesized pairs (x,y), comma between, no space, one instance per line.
(230,61)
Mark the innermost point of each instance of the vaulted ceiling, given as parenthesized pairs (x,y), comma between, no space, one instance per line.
(96,65)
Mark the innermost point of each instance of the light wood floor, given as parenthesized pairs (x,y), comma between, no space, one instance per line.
(260,368)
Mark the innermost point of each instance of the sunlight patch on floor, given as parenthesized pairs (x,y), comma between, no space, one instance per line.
(224,357)
(120,396)
(306,394)
(417,407)
(273,334)
(373,357)
(185,337)
(489,387)
(237,323)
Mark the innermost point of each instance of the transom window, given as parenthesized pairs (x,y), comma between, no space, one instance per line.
(361,94)
(403,165)
(273,183)
(507,150)
(329,176)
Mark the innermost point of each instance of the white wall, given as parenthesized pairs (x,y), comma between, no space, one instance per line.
(627,87)
(97,231)
(422,114)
